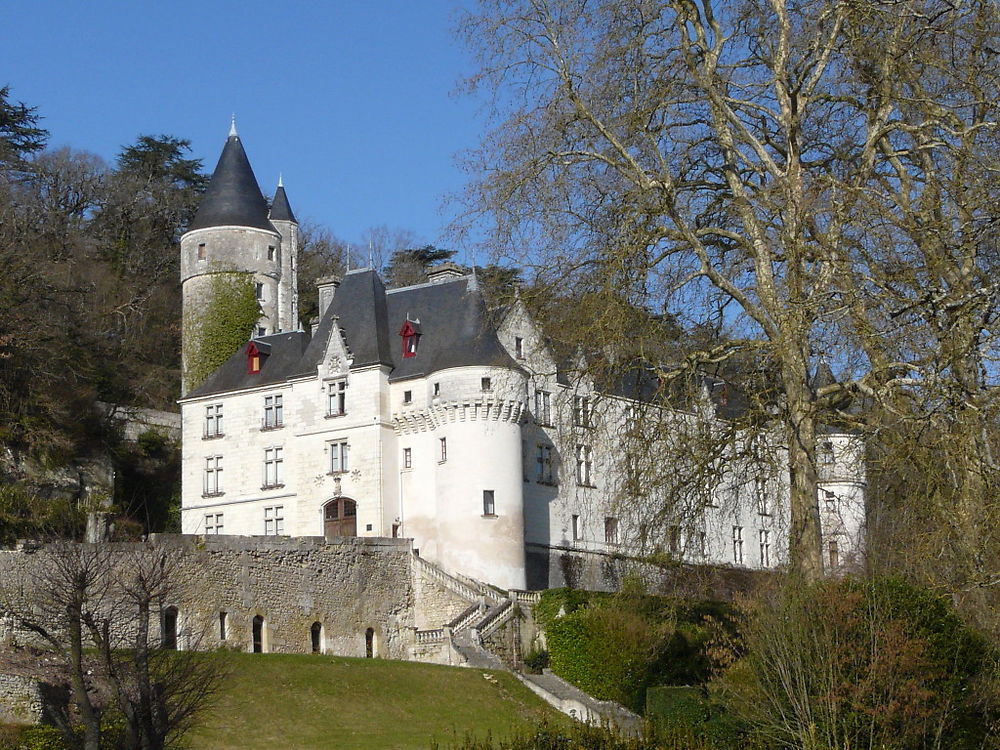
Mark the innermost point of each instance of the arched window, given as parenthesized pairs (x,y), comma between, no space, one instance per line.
(169,632)
(258,634)
(316,637)
(370,643)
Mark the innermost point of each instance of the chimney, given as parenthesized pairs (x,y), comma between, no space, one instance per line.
(327,288)
(444,272)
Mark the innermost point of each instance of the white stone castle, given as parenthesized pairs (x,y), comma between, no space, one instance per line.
(421,412)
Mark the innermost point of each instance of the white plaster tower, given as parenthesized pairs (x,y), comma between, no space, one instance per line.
(235,231)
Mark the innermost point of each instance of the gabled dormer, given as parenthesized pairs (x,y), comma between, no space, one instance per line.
(257,354)
(410,333)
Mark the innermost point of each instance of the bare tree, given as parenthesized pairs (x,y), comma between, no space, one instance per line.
(717,161)
(123,601)
(53,601)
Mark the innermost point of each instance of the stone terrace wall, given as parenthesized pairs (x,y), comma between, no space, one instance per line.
(551,567)
(347,585)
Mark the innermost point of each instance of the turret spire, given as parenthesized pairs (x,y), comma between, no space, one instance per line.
(232,127)
(233,197)
(281,210)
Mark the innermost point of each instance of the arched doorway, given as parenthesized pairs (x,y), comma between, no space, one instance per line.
(169,632)
(370,643)
(340,517)
(258,634)
(316,637)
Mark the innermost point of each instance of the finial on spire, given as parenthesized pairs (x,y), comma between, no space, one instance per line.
(232,127)
(280,183)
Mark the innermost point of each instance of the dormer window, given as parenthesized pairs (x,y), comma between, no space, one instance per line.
(256,353)
(410,332)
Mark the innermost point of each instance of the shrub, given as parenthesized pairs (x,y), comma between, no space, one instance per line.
(615,646)
(859,664)
(583,737)
(536,660)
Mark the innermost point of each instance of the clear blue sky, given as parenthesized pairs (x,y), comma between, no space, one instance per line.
(351,101)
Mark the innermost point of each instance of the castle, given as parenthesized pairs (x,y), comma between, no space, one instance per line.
(422,412)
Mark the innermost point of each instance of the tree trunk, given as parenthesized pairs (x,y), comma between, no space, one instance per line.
(805,555)
(88,715)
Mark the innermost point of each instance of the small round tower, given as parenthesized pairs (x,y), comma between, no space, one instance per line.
(232,232)
(288,290)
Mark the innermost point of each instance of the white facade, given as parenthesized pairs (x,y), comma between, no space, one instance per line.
(418,413)
(478,464)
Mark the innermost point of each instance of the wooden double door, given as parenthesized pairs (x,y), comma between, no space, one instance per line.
(340,517)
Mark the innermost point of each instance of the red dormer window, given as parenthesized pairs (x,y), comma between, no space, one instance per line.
(411,336)
(255,358)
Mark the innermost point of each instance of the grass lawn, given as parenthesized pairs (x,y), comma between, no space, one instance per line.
(304,702)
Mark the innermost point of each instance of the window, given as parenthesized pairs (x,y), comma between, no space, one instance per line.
(489,508)
(581,411)
(831,499)
(738,545)
(339,453)
(407,458)
(336,398)
(255,355)
(213,523)
(274,520)
(543,407)
(259,291)
(213,476)
(825,451)
(674,540)
(610,530)
(584,465)
(544,460)
(407,397)
(575,528)
(274,415)
(437,389)
(270,252)
(202,251)
(760,488)
(444,450)
(410,333)
(702,548)
(261,331)
(487,384)
(213,421)
(519,347)
(273,469)
(223,625)
(834,552)
(765,548)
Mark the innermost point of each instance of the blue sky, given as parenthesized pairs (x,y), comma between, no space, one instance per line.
(353,102)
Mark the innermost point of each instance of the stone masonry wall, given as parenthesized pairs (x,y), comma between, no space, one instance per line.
(348,586)
(21,700)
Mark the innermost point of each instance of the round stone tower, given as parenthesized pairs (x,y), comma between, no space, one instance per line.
(233,232)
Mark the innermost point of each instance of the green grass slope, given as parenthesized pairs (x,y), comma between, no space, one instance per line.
(306,702)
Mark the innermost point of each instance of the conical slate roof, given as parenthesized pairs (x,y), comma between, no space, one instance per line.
(280,209)
(233,197)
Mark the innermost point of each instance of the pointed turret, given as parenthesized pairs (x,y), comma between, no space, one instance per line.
(233,197)
(280,208)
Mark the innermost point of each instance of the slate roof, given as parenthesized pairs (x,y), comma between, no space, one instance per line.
(286,352)
(456,332)
(281,210)
(233,197)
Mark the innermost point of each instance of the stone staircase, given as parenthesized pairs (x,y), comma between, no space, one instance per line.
(490,609)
